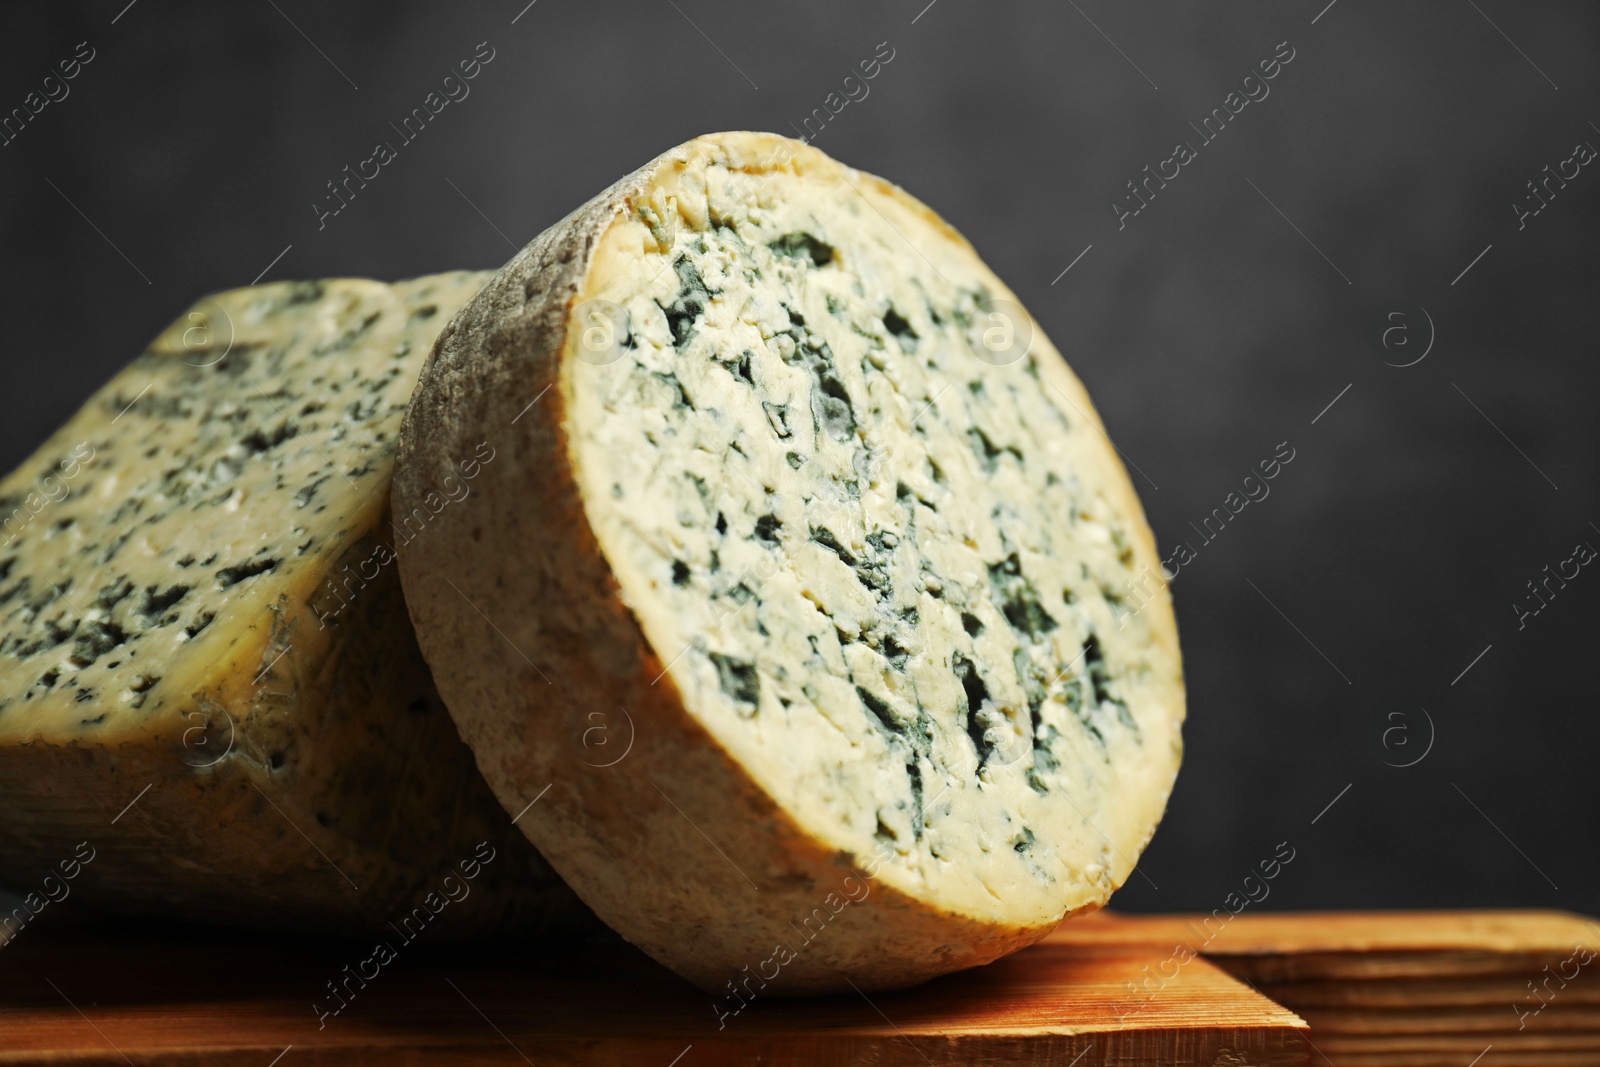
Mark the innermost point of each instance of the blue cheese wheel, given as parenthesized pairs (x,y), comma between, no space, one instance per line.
(207,674)
(808,592)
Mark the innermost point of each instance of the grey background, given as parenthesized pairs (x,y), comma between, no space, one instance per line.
(1209,329)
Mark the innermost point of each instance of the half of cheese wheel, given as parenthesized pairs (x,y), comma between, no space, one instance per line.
(211,702)
(808,594)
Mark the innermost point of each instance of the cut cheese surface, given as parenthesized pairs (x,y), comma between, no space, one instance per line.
(895,565)
(202,481)
(879,557)
(197,595)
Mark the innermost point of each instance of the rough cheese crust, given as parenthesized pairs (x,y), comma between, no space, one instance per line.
(195,596)
(854,577)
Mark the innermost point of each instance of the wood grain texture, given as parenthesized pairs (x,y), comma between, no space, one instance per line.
(1408,989)
(1493,1056)
(1418,994)
(1367,933)
(176,997)
(1378,990)
(1470,1020)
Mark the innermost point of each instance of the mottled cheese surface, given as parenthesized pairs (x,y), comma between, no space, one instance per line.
(874,530)
(201,628)
(232,463)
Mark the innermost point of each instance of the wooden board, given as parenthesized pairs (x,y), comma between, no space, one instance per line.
(1469,1020)
(1378,989)
(1355,933)
(1402,989)
(87,995)
(1418,994)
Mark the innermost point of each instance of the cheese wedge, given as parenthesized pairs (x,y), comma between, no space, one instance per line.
(795,499)
(209,675)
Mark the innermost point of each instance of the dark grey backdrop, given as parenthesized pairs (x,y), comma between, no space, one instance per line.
(1223,319)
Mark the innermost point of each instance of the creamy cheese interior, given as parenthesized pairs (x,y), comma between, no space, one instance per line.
(211,486)
(871,526)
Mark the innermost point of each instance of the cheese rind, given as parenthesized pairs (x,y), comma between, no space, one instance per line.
(799,493)
(209,672)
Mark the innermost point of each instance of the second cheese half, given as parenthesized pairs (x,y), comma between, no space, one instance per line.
(803,585)
(208,683)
